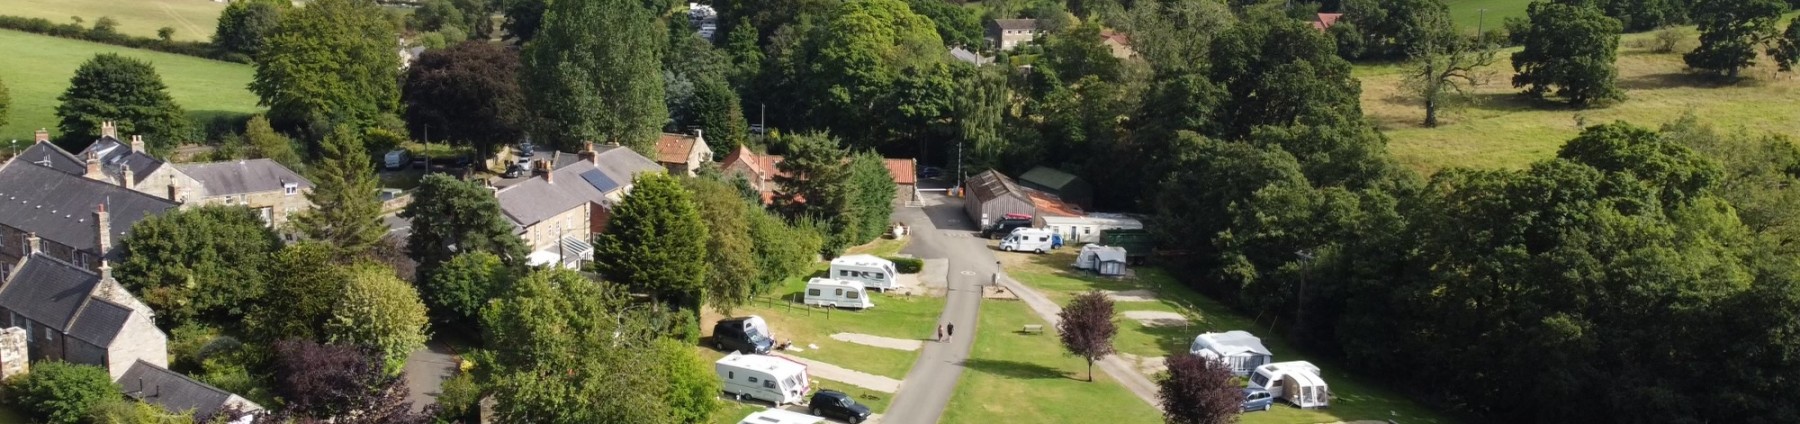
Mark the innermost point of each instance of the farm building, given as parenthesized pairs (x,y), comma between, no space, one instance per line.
(1065,186)
(990,195)
(1243,351)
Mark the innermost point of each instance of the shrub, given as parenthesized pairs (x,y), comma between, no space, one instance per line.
(1668,40)
(906,265)
(458,398)
(62,393)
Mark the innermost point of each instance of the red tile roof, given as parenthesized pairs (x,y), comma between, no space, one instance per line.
(1326,20)
(1115,36)
(674,148)
(1049,204)
(903,171)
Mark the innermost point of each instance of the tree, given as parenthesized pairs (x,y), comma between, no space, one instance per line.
(206,263)
(781,250)
(718,111)
(346,212)
(596,55)
(244,26)
(450,217)
(302,304)
(1786,51)
(956,25)
(457,291)
(814,182)
(266,143)
(379,311)
(469,93)
(1086,327)
(1173,36)
(1571,48)
(1445,73)
(341,384)
(121,411)
(731,273)
(859,54)
(694,386)
(1258,64)
(1397,28)
(1199,390)
(331,62)
(5,103)
(523,18)
(62,393)
(874,202)
(1730,30)
(125,91)
(435,15)
(651,243)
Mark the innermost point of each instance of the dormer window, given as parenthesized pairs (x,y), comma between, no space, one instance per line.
(290,188)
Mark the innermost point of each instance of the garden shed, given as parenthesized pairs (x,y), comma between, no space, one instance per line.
(990,195)
(1237,348)
(1065,186)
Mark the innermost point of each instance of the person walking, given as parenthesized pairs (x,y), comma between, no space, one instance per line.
(940,338)
(950,330)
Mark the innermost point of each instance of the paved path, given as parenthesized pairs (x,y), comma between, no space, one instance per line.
(425,372)
(942,232)
(1113,365)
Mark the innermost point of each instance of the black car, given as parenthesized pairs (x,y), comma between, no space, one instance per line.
(836,404)
(1005,226)
(729,336)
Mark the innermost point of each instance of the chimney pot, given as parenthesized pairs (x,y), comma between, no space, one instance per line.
(41,136)
(137,143)
(109,130)
(93,166)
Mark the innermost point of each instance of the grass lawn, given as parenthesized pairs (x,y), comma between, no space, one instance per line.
(1503,130)
(1354,398)
(37,69)
(1018,378)
(734,412)
(879,247)
(193,20)
(1468,14)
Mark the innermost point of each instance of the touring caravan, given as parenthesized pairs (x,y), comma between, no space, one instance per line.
(1239,349)
(1103,260)
(1077,230)
(1298,382)
(774,379)
(781,416)
(1029,240)
(837,293)
(873,272)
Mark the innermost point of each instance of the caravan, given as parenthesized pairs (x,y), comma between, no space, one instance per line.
(837,293)
(1297,382)
(1029,240)
(1076,230)
(774,379)
(873,272)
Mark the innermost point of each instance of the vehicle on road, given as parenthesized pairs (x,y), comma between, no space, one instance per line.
(1258,400)
(839,405)
(931,172)
(873,272)
(767,378)
(514,170)
(395,159)
(1006,225)
(837,293)
(1029,240)
(743,334)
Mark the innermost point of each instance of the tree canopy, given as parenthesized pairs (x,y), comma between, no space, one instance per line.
(469,93)
(244,26)
(450,217)
(378,310)
(122,90)
(330,62)
(346,212)
(652,240)
(58,392)
(1199,390)
(198,264)
(1086,327)
(1570,48)
(1730,31)
(591,56)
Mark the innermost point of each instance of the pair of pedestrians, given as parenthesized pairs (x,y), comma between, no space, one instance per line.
(945,332)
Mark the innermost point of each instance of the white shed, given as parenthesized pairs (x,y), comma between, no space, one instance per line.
(1076,230)
(1239,349)
(1103,260)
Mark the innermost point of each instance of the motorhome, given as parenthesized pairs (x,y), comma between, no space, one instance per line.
(1029,240)
(873,272)
(1077,230)
(773,379)
(1270,376)
(837,293)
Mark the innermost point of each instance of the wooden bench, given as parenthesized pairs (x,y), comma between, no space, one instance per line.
(1033,329)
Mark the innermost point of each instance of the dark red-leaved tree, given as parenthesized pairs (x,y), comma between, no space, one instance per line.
(466,93)
(1087,327)
(1199,391)
(339,384)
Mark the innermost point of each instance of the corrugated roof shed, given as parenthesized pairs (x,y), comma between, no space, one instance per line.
(992,184)
(1049,178)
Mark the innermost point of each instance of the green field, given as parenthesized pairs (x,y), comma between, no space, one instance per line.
(1026,378)
(193,20)
(1468,14)
(37,69)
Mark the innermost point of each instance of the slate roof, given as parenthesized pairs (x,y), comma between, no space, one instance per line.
(242,177)
(47,154)
(60,207)
(1030,24)
(114,154)
(573,184)
(156,385)
(961,54)
(100,322)
(48,291)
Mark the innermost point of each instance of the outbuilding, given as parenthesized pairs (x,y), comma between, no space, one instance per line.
(990,195)
(1087,228)
(1239,349)
(1066,186)
(1103,260)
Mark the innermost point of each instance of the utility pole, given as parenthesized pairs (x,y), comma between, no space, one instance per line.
(1480,22)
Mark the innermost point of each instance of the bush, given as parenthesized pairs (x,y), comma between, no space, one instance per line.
(906,265)
(62,393)
(1670,39)
(458,398)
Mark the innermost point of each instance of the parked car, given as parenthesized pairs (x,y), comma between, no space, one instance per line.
(836,404)
(1005,225)
(743,334)
(514,170)
(1258,400)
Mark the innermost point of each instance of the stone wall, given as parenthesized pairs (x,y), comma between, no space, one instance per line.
(14,356)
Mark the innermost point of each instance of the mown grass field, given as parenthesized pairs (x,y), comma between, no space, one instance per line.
(193,20)
(1354,396)
(37,68)
(1500,129)
(1468,14)
(1026,378)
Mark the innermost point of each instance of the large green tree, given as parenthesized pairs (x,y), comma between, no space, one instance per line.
(5,103)
(458,290)
(125,91)
(1396,28)
(469,93)
(450,217)
(731,273)
(1784,49)
(57,392)
(378,311)
(652,243)
(719,112)
(346,212)
(330,62)
(591,56)
(1570,48)
(875,191)
(244,26)
(198,264)
(854,65)
(1277,71)
(782,250)
(310,283)
(814,183)
(265,143)
(1730,31)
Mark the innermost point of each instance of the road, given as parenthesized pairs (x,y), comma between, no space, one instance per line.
(425,372)
(940,230)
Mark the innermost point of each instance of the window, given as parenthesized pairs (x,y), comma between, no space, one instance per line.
(769,384)
(752,379)
(230,200)
(729,375)
(843,273)
(878,275)
(838,292)
(82,259)
(853,295)
(1088,230)
(812,292)
(290,188)
(49,336)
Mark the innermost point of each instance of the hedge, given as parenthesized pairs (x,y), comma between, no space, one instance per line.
(906,265)
(106,35)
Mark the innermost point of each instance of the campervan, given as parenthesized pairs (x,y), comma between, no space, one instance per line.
(1029,240)
(837,293)
(774,379)
(1273,377)
(873,272)
(1077,230)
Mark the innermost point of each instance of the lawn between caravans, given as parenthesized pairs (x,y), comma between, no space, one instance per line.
(37,69)
(1354,397)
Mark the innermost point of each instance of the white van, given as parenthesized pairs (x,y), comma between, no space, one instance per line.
(1269,376)
(837,293)
(1028,240)
(774,379)
(873,272)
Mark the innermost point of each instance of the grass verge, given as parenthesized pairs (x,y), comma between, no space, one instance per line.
(38,69)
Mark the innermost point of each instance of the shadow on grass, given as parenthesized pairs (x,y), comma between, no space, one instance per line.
(1669,80)
(1014,369)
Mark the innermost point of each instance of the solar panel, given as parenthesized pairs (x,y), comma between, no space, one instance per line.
(599,180)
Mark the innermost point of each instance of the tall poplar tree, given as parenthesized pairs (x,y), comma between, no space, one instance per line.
(592,73)
(346,212)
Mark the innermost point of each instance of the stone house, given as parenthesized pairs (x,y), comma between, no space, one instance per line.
(56,206)
(682,154)
(1006,34)
(79,316)
(906,180)
(568,199)
(1118,43)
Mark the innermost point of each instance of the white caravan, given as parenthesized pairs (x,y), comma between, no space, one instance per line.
(774,379)
(1077,230)
(873,272)
(1269,376)
(1029,240)
(781,416)
(837,293)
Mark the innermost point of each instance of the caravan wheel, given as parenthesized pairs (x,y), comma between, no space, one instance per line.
(1040,251)
(1267,406)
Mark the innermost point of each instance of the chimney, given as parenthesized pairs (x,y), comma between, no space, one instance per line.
(42,135)
(125,178)
(33,244)
(137,143)
(108,130)
(543,168)
(93,166)
(175,192)
(697,135)
(589,154)
(103,233)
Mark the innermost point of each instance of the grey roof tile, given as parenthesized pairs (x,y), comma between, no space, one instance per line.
(48,291)
(47,154)
(60,207)
(156,385)
(242,177)
(100,322)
